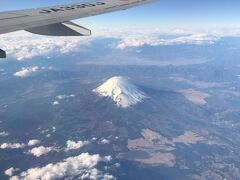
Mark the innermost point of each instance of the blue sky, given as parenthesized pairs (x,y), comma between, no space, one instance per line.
(164,13)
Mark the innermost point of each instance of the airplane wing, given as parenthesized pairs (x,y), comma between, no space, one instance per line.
(31,19)
(55,21)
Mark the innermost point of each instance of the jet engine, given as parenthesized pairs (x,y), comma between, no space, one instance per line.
(2,54)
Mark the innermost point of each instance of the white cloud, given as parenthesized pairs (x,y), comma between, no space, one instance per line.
(55,103)
(4,133)
(48,135)
(94,139)
(54,129)
(41,150)
(12,146)
(156,40)
(117,165)
(72,145)
(47,68)
(10,171)
(44,131)
(104,141)
(33,142)
(26,71)
(82,166)
(61,97)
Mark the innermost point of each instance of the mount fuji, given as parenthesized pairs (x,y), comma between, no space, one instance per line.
(121,91)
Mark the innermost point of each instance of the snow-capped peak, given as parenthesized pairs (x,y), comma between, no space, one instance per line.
(121,91)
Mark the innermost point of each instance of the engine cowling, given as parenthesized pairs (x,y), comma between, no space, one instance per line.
(2,54)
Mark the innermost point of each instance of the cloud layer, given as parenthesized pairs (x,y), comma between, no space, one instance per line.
(82,166)
(155,40)
(23,46)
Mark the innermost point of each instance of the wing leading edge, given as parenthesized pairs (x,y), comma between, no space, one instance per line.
(55,21)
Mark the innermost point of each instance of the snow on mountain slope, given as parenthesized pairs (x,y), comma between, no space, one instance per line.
(121,91)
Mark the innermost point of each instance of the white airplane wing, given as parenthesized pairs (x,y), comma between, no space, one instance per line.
(55,21)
